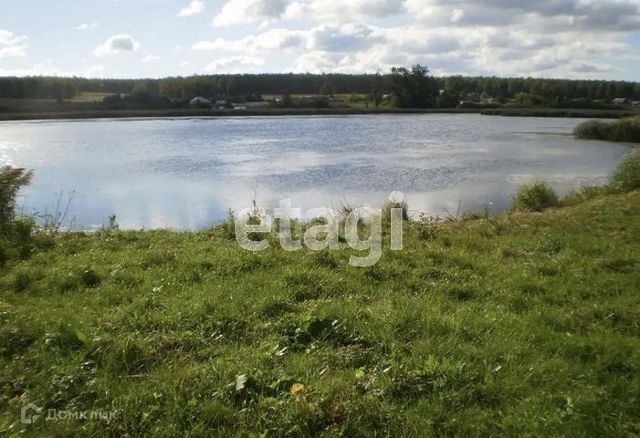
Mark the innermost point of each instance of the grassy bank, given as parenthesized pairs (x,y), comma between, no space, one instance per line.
(624,130)
(524,324)
(513,112)
(562,112)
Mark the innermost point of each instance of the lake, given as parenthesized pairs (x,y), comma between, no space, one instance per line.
(187,173)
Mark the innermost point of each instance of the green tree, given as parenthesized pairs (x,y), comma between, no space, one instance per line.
(527,99)
(286,101)
(377,89)
(448,100)
(232,87)
(454,85)
(328,89)
(413,88)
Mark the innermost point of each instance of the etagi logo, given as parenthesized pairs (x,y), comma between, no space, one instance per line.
(323,230)
(30,413)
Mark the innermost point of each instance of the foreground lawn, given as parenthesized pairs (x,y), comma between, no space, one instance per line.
(527,324)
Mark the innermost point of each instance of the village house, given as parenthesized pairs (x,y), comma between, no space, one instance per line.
(221,104)
(200,101)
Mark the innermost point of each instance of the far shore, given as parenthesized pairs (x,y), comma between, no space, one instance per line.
(175,113)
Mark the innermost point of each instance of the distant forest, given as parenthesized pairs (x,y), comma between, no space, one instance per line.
(256,85)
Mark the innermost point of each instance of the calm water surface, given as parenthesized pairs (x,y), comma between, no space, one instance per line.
(186,173)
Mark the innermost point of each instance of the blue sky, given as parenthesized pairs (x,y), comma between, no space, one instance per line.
(156,38)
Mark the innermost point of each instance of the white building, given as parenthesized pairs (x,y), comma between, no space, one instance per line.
(200,101)
(221,104)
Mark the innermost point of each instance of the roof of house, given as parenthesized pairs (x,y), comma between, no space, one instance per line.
(199,100)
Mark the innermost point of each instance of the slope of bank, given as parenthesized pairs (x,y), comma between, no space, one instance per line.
(522,324)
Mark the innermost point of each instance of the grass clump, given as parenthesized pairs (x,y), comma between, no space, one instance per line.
(16,235)
(12,180)
(593,130)
(393,204)
(626,177)
(537,196)
(584,194)
(624,130)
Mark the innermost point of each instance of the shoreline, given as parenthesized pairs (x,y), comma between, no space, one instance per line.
(276,112)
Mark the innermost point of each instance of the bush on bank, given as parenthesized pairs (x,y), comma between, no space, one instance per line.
(15,235)
(626,177)
(623,130)
(537,196)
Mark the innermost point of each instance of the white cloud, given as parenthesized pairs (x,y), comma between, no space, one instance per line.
(559,38)
(117,44)
(344,38)
(194,8)
(94,72)
(520,52)
(87,26)
(330,11)
(347,47)
(457,15)
(582,67)
(485,51)
(250,11)
(12,51)
(41,69)
(273,39)
(316,62)
(150,58)
(12,45)
(235,64)
(552,15)
(340,38)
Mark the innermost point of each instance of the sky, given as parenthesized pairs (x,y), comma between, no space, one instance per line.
(592,39)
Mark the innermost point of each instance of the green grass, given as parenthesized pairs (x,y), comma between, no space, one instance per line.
(90,97)
(524,324)
(537,196)
(626,177)
(624,130)
(617,113)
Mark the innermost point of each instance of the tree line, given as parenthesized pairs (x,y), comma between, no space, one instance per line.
(410,87)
